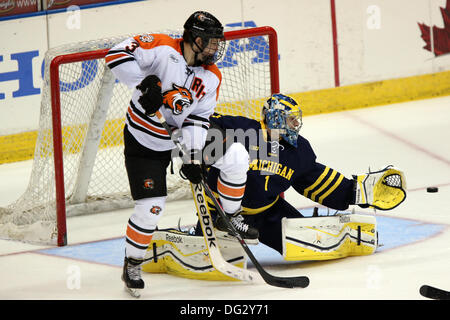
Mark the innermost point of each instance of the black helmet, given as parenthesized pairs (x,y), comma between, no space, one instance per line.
(204,25)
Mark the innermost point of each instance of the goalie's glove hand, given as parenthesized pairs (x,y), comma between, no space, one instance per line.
(151,98)
(193,170)
(384,189)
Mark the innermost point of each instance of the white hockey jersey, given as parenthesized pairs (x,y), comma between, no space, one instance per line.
(189,93)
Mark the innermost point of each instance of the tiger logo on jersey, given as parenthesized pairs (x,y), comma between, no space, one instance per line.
(177,99)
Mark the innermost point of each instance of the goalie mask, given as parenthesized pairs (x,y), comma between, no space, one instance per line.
(204,25)
(282,113)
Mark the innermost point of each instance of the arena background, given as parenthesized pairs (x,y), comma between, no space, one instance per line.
(333,54)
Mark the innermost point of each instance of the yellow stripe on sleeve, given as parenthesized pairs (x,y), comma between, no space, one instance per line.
(329,180)
(318,181)
(338,182)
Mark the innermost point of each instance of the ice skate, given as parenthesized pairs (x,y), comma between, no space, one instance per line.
(248,233)
(131,277)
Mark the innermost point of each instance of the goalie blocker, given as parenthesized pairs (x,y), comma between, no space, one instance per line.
(318,238)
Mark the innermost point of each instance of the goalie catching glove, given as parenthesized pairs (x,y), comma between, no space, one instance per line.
(384,189)
(151,98)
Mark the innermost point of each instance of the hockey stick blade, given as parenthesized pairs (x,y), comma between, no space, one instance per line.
(434,293)
(284,282)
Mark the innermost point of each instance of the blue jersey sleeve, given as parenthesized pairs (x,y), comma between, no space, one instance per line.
(232,122)
(321,183)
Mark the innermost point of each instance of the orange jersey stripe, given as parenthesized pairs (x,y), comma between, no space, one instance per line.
(214,69)
(146,124)
(227,191)
(151,41)
(115,56)
(138,237)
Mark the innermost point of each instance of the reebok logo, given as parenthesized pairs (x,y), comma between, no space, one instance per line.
(174,239)
(204,215)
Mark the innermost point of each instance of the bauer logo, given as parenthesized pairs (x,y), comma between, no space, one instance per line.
(28,75)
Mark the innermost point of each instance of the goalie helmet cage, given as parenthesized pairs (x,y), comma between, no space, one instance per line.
(78,165)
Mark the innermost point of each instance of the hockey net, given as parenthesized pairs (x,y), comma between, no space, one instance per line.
(78,165)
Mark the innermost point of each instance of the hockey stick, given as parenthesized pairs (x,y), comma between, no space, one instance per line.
(217,260)
(434,293)
(285,282)
(205,220)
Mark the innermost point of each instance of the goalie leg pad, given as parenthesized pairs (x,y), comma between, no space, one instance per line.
(181,254)
(331,237)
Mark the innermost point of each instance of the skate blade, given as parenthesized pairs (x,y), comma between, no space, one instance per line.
(135,293)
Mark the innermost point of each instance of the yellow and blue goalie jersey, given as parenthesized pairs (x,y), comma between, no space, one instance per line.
(276,165)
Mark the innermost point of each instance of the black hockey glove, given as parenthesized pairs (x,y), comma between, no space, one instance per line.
(193,171)
(151,98)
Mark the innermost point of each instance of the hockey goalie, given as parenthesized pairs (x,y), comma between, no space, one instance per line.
(280,158)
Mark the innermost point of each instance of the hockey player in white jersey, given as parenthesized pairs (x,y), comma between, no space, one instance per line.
(178,77)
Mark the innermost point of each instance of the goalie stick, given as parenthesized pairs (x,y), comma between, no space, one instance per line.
(285,282)
(434,293)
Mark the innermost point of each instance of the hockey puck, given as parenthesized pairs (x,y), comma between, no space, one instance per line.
(432,189)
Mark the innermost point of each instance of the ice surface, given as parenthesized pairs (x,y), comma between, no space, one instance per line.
(414,136)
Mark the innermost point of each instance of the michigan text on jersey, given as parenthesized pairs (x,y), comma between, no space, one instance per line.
(271,167)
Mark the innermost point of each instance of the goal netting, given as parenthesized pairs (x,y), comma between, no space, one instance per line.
(78,165)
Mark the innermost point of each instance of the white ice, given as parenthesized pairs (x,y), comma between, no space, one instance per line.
(414,136)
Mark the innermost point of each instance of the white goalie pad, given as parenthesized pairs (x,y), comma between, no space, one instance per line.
(330,237)
(182,254)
